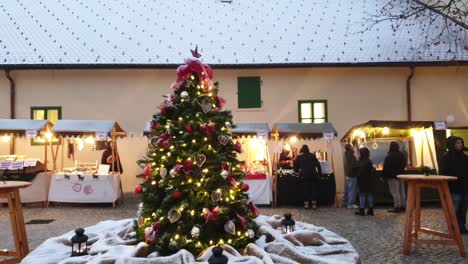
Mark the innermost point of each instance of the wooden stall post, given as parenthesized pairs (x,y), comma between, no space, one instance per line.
(63,149)
(275,167)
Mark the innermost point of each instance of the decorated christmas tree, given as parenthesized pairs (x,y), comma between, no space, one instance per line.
(193,194)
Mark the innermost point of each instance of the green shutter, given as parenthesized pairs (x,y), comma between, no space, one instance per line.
(248,92)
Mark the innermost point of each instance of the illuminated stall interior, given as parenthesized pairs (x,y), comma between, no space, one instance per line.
(79,133)
(253,137)
(10,129)
(416,139)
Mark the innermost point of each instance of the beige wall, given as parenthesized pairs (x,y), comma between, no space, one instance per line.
(354,95)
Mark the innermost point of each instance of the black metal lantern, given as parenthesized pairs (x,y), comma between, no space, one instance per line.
(287,224)
(79,243)
(218,257)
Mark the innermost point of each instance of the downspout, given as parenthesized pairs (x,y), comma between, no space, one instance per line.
(408,93)
(12,106)
(408,109)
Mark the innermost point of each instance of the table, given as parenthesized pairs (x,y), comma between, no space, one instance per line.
(85,188)
(259,190)
(413,213)
(10,190)
(290,190)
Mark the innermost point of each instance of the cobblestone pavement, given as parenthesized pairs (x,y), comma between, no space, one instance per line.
(377,239)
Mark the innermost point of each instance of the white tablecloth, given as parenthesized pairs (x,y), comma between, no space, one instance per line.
(84,188)
(259,191)
(37,192)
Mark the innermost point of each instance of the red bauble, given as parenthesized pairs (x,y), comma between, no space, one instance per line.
(188,165)
(224,166)
(188,128)
(138,190)
(245,187)
(176,195)
(238,147)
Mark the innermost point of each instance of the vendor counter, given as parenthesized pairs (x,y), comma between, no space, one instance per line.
(382,193)
(85,188)
(290,190)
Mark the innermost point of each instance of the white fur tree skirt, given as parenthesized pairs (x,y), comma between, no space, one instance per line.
(110,242)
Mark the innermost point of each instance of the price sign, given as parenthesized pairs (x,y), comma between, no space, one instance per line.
(101,136)
(31,133)
(16,165)
(440,125)
(30,163)
(5,164)
(328,135)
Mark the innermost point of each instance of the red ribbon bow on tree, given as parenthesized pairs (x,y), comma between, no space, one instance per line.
(151,233)
(208,129)
(211,215)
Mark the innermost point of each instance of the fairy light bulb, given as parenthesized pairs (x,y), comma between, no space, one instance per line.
(194,141)
(153,183)
(6,138)
(176,236)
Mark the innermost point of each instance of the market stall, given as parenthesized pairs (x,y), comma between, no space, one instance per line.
(256,158)
(87,181)
(287,183)
(417,139)
(18,167)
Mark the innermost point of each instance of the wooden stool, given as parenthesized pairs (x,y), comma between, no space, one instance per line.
(413,213)
(10,191)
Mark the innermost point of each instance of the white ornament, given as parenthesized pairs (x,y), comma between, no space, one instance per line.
(173,172)
(195,232)
(230,227)
(251,233)
(224,174)
(216,195)
(140,209)
(163,172)
(184,94)
(173,215)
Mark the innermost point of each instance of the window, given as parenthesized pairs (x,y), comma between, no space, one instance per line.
(51,113)
(313,111)
(248,92)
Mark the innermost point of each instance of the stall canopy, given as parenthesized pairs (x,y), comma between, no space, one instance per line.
(377,124)
(304,130)
(19,127)
(87,127)
(250,129)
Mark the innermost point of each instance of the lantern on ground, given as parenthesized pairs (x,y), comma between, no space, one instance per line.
(79,243)
(287,224)
(218,257)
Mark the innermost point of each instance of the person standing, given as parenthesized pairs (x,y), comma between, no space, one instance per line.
(455,163)
(351,167)
(394,164)
(308,167)
(364,179)
(109,159)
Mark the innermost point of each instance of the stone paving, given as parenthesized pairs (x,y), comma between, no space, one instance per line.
(378,239)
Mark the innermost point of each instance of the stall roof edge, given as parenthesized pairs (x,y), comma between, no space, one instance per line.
(79,127)
(306,130)
(395,124)
(19,126)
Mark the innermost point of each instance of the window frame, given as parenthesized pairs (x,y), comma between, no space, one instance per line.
(312,102)
(34,142)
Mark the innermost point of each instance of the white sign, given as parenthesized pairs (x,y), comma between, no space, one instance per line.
(30,163)
(16,165)
(5,164)
(325,166)
(31,133)
(101,136)
(440,125)
(328,135)
(103,169)
(262,134)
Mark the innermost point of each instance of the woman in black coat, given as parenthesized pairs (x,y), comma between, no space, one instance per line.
(309,170)
(365,174)
(455,163)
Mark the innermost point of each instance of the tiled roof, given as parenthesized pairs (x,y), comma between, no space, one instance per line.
(158,33)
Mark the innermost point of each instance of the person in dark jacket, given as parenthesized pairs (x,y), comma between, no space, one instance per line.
(108,159)
(455,163)
(364,177)
(309,169)
(351,167)
(394,164)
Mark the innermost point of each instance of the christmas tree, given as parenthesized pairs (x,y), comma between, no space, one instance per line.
(193,194)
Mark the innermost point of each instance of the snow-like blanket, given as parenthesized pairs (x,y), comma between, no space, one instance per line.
(112,242)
